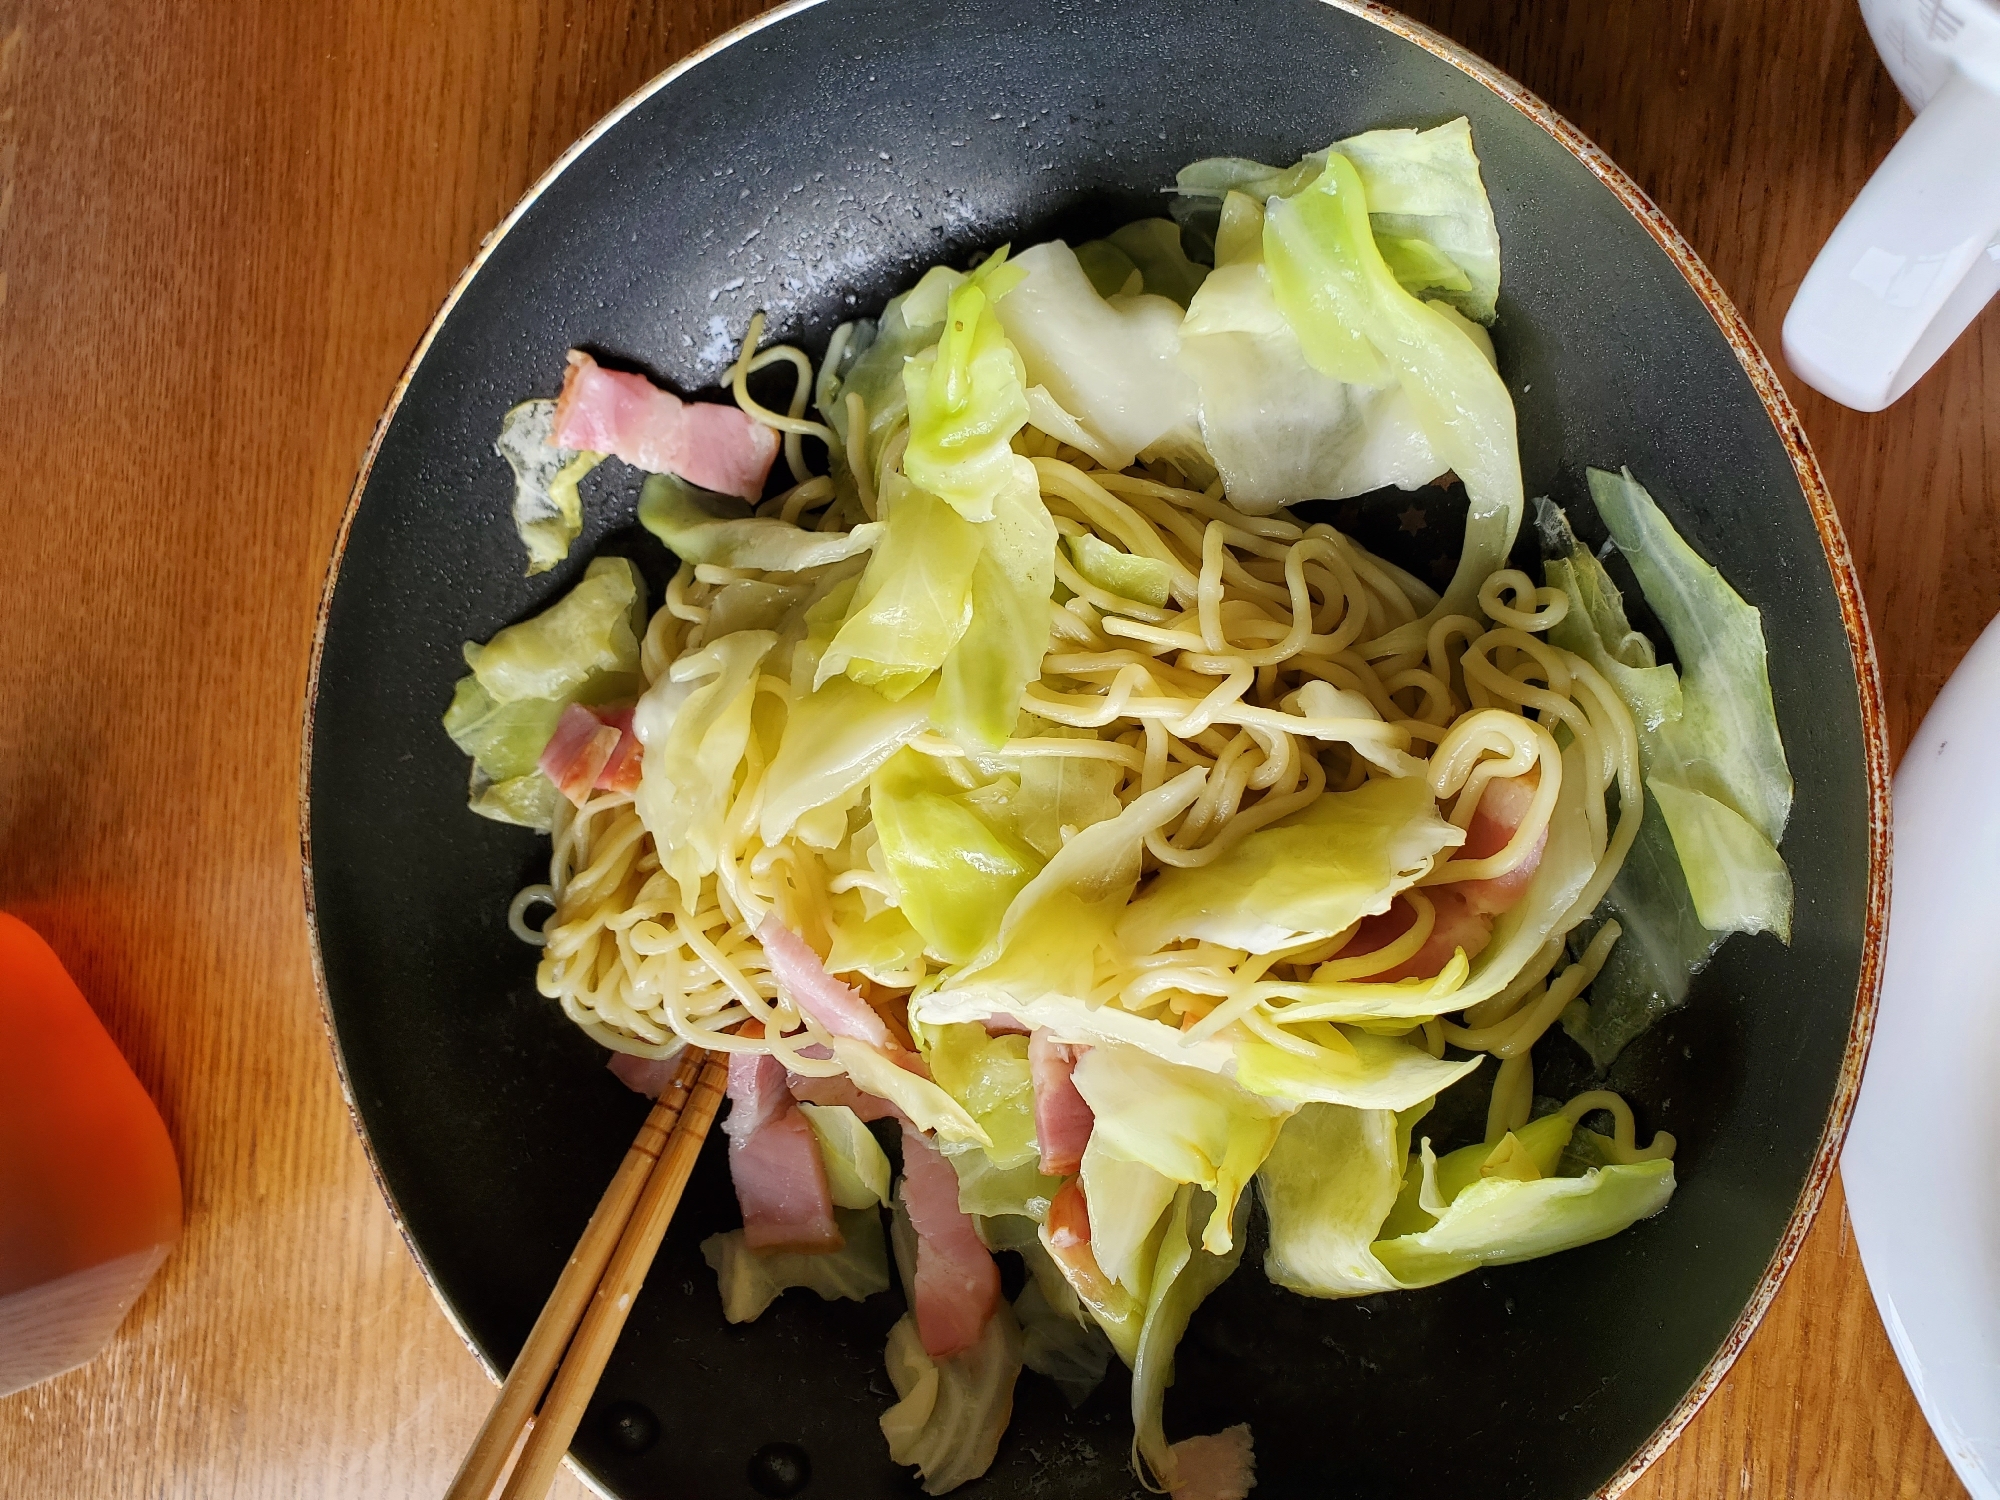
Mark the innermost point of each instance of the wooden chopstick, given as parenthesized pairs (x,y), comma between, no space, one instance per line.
(630,1192)
(576,1381)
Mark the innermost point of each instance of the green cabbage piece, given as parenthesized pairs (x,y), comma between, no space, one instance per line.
(1011,1201)
(1327,1186)
(1058,792)
(1332,1184)
(950,1414)
(1183,1275)
(548,512)
(751,1280)
(584,648)
(1726,742)
(988,1075)
(1307,876)
(914,601)
(1705,863)
(1497,1221)
(695,725)
(1186,1125)
(928,1107)
(505,740)
(588,639)
(1546,909)
(835,738)
(698,526)
(1147,579)
(988,670)
(1152,247)
(1059,1338)
(1276,428)
(1359,325)
(954,872)
(529,799)
(1126,1199)
(1365,1072)
(1430,213)
(967,399)
(1103,376)
(1043,952)
(883,944)
(1112,272)
(872,368)
(1427,206)
(1040,965)
(857,1170)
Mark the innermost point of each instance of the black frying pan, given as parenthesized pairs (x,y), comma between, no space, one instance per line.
(811,166)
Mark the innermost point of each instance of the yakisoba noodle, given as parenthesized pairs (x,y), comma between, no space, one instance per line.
(1259,669)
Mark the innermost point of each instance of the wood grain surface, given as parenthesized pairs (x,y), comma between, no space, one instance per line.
(222,228)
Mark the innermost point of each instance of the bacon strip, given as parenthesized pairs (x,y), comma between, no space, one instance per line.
(644,1075)
(1221,1466)
(578,752)
(840,1008)
(774,1161)
(1063,1121)
(1465,908)
(716,447)
(958,1285)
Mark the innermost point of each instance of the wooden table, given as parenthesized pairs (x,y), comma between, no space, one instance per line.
(222,228)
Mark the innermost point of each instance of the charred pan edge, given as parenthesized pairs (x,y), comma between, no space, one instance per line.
(308,709)
(1784,418)
(1860,644)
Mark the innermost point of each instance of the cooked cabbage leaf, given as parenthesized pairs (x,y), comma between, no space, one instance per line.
(928,1106)
(1060,792)
(1336,1174)
(1430,213)
(583,648)
(1701,866)
(1359,325)
(1000,652)
(751,1280)
(1183,1275)
(1276,428)
(695,725)
(548,512)
(834,739)
(1327,1186)
(1126,1199)
(914,600)
(1058,1339)
(1725,744)
(505,740)
(857,1170)
(1307,876)
(1110,366)
(967,398)
(989,1076)
(1427,206)
(954,871)
(1147,579)
(873,370)
(950,1414)
(529,799)
(587,638)
(699,526)
(1499,1220)
(1153,248)
(1186,1125)
(1016,1197)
